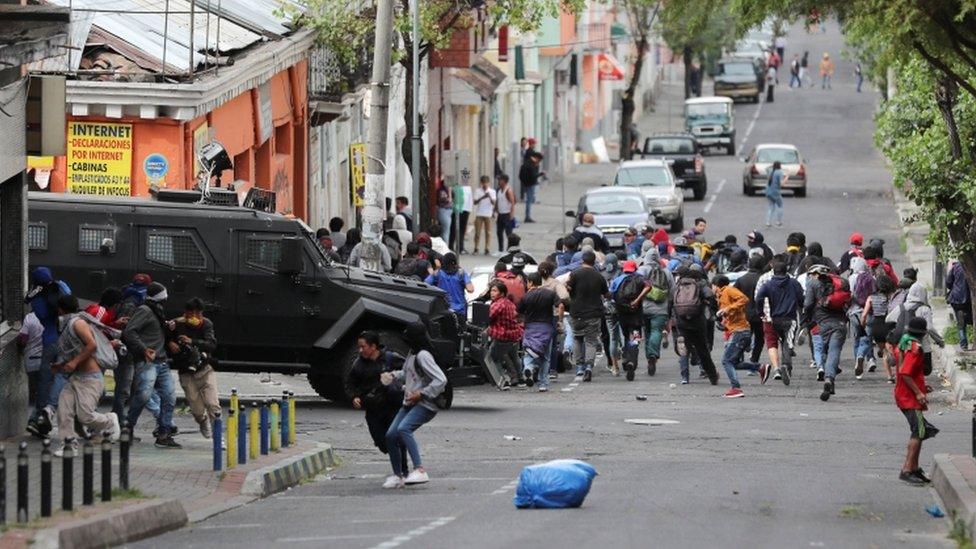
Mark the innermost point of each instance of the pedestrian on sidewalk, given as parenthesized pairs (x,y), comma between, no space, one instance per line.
(692,297)
(911,399)
(423,381)
(655,306)
(529,176)
(43,300)
(191,345)
(782,296)
(805,70)
(825,305)
(536,310)
(463,204)
(858,76)
(145,337)
(484,199)
(504,210)
(445,210)
(505,331)
(826,71)
(732,312)
(380,402)
(770,83)
(774,190)
(958,297)
(78,401)
(587,290)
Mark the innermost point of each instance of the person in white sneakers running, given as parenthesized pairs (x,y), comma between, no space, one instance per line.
(423,381)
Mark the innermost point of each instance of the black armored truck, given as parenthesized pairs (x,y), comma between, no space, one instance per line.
(278,303)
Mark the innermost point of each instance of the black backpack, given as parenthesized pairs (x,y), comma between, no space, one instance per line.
(627,292)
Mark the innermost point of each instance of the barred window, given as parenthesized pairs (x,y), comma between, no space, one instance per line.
(90,238)
(177,249)
(37,236)
(264,253)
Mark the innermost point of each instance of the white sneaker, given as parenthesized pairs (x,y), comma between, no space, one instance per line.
(60,451)
(116,430)
(393,482)
(417,477)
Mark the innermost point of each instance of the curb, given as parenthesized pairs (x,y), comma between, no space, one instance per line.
(281,476)
(134,522)
(957,496)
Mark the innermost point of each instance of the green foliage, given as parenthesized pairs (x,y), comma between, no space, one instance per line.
(700,25)
(961,533)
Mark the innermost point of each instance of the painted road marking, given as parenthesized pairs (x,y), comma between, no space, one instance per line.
(711,201)
(329,538)
(651,422)
(752,124)
(416,532)
(507,487)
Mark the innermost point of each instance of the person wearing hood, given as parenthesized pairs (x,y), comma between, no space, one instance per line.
(145,335)
(191,346)
(588,228)
(455,281)
(862,287)
(796,251)
(830,321)
(353,238)
(514,249)
(877,264)
(655,306)
(403,233)
(916,305)
(815,256)
(692,325)
(757,241)
(133,295)
(747,284)
(356,258)
(856,241)
(958,297)
(43,300)
(911,399)
(782,296)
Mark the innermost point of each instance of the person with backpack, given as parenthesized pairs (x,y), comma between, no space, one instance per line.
(863,286)
(958,297)
(412,265)
(78,401)
(536,310)
(873,318)
(756,242)
(191,345)
(611,334)
(825,305)
(455,281)
(628,291)
(380,402)
(690,298)
(747,284)
(43,300)
(782,297)
(423,382)
(877,264)
(655,306)
(732,311)
(145,336)
(815,256)
(911,399)
(916,304)
(587,290)
(856,241)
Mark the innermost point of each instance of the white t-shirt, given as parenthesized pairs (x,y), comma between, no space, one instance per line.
(467,203)
(486,206)
(33,329)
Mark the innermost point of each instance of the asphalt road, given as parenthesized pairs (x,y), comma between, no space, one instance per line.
(778,468)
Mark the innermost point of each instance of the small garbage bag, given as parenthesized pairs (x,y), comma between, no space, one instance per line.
(554,485)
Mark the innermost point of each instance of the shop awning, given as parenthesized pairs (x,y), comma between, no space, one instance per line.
(483,77)
(609,67)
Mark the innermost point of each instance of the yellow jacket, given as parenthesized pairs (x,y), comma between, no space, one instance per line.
(733,303)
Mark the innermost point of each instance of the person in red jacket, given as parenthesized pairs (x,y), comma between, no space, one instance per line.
(105,310)
(505,330)
(911,399)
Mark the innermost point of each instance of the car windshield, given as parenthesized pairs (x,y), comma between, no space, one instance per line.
(670,145)
(706,110)
(749,46)
(738,68)
(783,156)
(642,176)
(608,204)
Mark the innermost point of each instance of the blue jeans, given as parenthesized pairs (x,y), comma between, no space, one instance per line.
(825,82)
(774,209)
(653,334)
(616,337)
(833,338)
(540,364)
(817,342)
(529,199)
(795,81)
(735,349)
(150,377)
(401,431)
(568,331)
(444,216)
(49,383)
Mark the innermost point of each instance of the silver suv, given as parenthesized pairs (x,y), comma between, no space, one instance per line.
(654,179)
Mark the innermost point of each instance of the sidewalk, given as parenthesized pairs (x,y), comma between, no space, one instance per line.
(158,478)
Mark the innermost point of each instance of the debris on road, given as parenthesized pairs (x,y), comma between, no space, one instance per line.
(641,397)
(935,511)
(512,437)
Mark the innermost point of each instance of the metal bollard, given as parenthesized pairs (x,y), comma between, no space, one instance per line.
(124,441)
(284,418)
(87,473)
(106,466)
(265,423)
(242,435)
(3,487)
(234,399)
(46,479)
(218,440)
(291,417)
(275,426)
(22,480)
(68,475)
(252,434)
(231,438)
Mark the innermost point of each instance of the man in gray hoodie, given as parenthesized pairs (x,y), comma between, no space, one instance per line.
(656,306)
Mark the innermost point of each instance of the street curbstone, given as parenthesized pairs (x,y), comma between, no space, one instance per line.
(957,495)
(281,476)
(133,522)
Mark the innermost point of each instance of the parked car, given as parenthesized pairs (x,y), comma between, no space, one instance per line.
(712,121)
(750,49)
(760,161)
(614,210)
(740,78)
(682,152)
(654,179)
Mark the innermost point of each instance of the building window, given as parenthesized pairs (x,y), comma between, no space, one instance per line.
(176,249)
(92,238)
(37,237)
(263,252)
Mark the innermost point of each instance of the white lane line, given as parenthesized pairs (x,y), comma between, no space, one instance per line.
(507,487)
(752,124)
(227,526)
(328,538)
(711,200)
(416,532)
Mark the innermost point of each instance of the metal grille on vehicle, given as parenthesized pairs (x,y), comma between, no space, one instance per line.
(175,250)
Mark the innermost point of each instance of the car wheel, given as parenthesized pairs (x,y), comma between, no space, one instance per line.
(800,193)
(700,190)
(730,148)
(678,224)
(331,383)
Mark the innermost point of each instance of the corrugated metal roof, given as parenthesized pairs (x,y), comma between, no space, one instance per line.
(255,15)
(81,24)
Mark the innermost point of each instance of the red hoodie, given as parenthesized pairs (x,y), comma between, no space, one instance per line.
(872,263)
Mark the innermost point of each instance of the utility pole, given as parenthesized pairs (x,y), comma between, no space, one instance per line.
(374,203)
(415,119)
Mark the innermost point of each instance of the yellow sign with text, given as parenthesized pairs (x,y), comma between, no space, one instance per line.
(357,167)
(100,158)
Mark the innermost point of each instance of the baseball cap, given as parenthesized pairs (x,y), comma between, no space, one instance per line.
(857,239)
(629,266)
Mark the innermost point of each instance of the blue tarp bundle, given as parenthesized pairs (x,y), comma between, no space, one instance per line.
(554,485)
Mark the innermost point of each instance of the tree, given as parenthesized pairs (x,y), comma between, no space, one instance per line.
(641,15)
(698,28)
(348,34)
